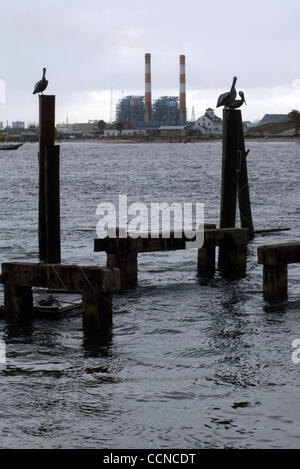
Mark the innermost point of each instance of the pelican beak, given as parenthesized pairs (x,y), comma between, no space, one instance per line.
(245,101)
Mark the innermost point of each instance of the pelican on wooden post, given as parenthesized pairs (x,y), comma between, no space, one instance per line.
(226,99)
(238,102)
(41,85)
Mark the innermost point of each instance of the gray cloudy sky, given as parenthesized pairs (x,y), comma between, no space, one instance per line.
(92,46)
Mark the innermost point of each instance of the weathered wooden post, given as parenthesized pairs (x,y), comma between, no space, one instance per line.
(229,252)
(47,132)
(127,262)
(275,283)
(233,254)
(206,262)
(18,302)
(243,186)
(52,204)
(96,311)
(231,126)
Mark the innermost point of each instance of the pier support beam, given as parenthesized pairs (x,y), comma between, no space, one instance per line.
(96,311)
(207,259)
(231,136)
(96,284)
(275,282)
(18,302)
(232,259)
(52,204)
(233,253)
(275,259)
(127,263)
(47,132)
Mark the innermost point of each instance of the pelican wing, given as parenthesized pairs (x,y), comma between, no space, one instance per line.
(37,87)
(40,86)
(222,99)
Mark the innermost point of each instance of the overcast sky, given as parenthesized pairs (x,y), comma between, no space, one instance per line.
(92,46)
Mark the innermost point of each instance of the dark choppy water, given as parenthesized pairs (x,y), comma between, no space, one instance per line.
(189,364)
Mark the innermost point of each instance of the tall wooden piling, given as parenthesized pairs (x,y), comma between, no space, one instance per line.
(52,204)
(231,136)
(243,186)
(47,132)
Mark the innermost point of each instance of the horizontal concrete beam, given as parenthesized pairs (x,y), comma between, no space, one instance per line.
(58,276)
(237,236)
(277,254)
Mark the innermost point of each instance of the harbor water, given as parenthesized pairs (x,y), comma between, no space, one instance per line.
(190,363)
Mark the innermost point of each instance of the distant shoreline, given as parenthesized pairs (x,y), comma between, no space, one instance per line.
(170,140)
(180,140)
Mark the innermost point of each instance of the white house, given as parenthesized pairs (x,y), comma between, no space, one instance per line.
(209,123)
(129,129)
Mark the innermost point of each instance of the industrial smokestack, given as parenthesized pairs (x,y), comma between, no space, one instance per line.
(182,91)
(148,99)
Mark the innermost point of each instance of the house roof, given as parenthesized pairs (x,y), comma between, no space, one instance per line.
(172,127)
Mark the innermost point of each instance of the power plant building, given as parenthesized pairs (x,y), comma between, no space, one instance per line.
(164,111)
(131,109)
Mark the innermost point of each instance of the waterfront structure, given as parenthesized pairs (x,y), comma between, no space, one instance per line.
(274,118)
(18,125)
(166,111)
(131,109)
(172,131)
(127,129)
(209,123)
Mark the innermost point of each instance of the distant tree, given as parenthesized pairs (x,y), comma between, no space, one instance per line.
(120,126)
(294,116)
(191,131)
(101,124)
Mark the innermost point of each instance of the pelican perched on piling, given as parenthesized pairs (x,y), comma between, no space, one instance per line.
(226,99)
(41,85)
(238,102)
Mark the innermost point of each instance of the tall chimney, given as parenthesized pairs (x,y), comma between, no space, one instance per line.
(148,99)
(182,93)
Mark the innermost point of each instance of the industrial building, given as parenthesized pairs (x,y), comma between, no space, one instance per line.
(166,110)
(131,109)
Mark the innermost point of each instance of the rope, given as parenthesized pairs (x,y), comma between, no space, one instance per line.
(93,288)
(61,281)
(87,280)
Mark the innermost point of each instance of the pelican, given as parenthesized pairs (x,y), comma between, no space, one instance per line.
(227,98)
(41,85)
(238,102)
